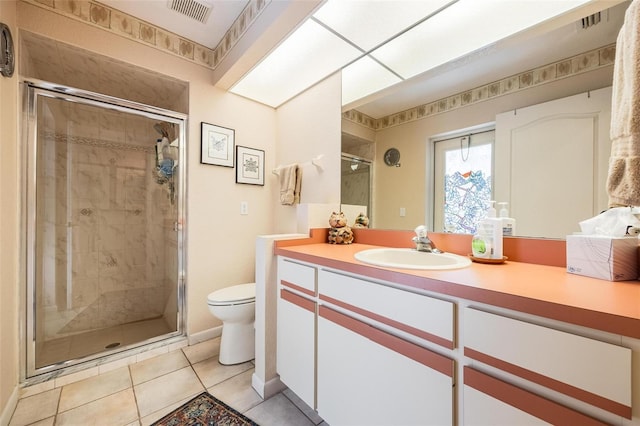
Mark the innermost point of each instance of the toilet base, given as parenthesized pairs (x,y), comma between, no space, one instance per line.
(237,344)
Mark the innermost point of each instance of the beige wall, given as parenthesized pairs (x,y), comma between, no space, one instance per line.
(220,242)
(9,227)
(405,186)
(309,126)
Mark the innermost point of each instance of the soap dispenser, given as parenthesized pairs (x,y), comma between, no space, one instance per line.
(487,242)
(508,223)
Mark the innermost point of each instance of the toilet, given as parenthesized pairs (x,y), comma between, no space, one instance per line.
(235,306)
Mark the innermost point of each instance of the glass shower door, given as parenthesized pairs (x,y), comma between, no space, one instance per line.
(105,255)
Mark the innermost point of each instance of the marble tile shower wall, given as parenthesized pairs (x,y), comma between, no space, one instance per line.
(102,201)
(355,188)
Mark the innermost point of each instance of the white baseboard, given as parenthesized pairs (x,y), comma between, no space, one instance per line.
(205,335)
(268,389)
(10,407)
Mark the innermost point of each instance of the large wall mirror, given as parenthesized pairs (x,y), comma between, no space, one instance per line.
(479,91)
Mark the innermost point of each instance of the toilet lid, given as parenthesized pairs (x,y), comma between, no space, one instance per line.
(234,294)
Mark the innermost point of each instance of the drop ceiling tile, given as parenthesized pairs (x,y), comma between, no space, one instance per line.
(364,77)
(370,23)
(306,57)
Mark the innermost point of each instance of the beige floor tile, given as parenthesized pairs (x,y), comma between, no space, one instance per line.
(278,411)
(302,406)
(76,377)
(158,366)
(46,422)
(237,392)
(35,408)
(36,389)
(166,390)
(113,410)
(211,372)
(203,350)
(94,388)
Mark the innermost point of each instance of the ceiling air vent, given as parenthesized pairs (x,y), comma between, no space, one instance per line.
(590,20)
(199,11)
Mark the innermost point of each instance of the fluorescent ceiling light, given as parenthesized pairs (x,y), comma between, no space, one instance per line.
(309,55)
(367,24)
(342,33)
(364,77)
(462,28)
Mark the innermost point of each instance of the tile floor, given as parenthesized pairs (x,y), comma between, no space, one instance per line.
(141,393)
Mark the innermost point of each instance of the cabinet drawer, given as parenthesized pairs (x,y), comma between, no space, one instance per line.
(368,377)
(592,371)
(490,401)
(422,316)
(297,276)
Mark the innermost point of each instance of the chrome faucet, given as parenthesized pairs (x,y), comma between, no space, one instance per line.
(422,241)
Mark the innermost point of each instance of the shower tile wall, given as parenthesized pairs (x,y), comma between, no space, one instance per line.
(354,185)
(107,239)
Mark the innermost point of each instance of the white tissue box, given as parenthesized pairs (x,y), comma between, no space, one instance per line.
(606,258)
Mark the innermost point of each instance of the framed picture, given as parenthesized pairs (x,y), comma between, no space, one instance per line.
(217,145)
(250,167)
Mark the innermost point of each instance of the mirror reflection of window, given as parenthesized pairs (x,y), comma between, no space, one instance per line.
(463,172)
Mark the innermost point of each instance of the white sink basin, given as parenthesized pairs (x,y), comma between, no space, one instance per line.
(412,259)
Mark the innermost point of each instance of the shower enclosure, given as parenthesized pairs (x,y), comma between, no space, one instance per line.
(104,208)
(355,178)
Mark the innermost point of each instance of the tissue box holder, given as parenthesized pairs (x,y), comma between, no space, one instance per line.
(602,257)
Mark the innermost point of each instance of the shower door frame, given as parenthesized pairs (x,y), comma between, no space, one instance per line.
(32,90)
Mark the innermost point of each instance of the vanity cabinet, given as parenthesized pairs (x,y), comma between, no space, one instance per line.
(296,341)
(372,367)
(366,350)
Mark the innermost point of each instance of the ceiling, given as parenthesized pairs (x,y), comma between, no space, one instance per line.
(360,30)
(158,12)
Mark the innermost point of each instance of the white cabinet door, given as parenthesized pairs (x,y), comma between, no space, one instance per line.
(296,345)
(296,349)
(378,379)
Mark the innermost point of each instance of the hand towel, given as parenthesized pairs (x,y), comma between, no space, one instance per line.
(623,180)
(287,179)
(298,186)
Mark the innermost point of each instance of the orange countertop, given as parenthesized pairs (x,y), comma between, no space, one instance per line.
(546,291)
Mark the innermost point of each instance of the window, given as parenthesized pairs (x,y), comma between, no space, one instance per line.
(463,172)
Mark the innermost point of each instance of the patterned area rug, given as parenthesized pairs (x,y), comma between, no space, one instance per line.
(204,409)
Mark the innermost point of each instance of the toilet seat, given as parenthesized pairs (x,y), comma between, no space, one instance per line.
(235,295)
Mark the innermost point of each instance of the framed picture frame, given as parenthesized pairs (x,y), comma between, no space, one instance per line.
(218,145)
(250,167)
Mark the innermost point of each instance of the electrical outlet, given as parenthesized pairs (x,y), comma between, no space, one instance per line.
(244,207)
(403,212)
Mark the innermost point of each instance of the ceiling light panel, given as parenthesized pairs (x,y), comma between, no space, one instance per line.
(367,24)
(462,28)
(309,55)
(364,77)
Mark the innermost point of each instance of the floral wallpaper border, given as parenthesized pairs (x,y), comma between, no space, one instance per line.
(114,21)
(574,65)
